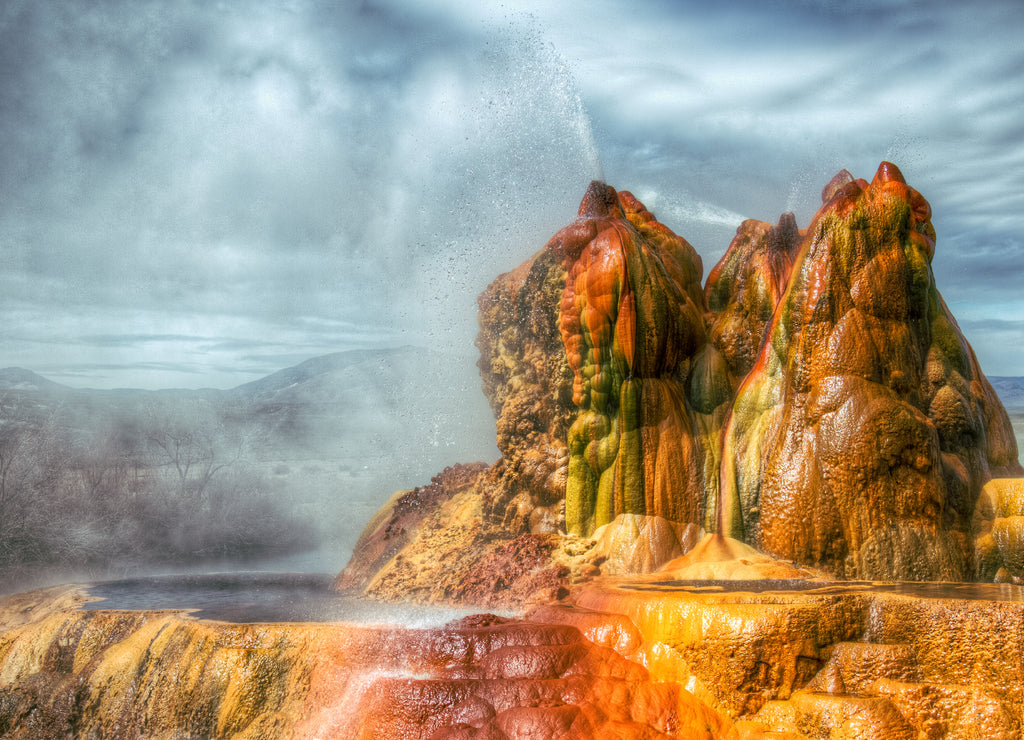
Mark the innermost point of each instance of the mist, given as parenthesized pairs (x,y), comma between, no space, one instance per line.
(276,474)
(195,196)
(198,196)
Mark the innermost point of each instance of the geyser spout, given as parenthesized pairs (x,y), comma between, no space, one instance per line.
(600,201)
(813,401)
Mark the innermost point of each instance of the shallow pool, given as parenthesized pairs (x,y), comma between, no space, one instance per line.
(262,597)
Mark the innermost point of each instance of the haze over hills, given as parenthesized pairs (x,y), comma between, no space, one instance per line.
(298,460)
(336,404)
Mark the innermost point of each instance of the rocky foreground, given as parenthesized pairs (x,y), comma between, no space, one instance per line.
(622,658)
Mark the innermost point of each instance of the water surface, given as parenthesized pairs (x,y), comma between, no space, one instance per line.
(915,589)
(262,597)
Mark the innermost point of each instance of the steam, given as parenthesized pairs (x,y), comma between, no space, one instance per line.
(493,160)
(199,195)
(227,191)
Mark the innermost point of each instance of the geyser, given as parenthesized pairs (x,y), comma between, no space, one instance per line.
(812,413)
(815,400)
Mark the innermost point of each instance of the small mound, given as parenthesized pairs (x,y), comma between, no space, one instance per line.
(720,558)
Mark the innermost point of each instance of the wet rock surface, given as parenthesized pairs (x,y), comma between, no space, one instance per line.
(814,399)
(79,673)
(622,657)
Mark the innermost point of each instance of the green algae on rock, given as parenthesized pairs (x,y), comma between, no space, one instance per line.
(815,399)
(631,317)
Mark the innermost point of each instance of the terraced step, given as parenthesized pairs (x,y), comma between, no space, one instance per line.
(872,690)
(508,680)
(852,666)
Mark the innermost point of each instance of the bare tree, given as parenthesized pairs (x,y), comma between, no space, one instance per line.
(191,444)
(29,474)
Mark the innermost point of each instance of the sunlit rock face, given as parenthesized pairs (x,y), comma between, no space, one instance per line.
(584,350)
(814,399)
(396,524)
(861,437)
(632,315)
(742,291)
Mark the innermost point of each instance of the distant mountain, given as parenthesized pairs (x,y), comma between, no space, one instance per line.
(19,379)
(390,406)
(274,385)
(1010,391)
(410,408)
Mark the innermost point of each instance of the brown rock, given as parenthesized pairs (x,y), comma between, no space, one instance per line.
(861,438)
(527,380)
(396,523)
(815,400)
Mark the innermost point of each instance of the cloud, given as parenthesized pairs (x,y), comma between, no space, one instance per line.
(273,162)
(340,175)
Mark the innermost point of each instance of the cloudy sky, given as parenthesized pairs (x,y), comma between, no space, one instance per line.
(198,194)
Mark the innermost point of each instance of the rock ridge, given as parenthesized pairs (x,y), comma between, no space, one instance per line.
(814,399)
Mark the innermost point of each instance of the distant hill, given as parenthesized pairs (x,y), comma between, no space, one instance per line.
(1011,392)
(19,379)
(407,408)
(289,381)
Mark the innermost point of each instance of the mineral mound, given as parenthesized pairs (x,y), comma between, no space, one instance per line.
(815,399)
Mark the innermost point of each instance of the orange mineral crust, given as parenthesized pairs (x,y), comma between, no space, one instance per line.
(71,673)
(631,317)
(527,380)
(862,436)
(821,659)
